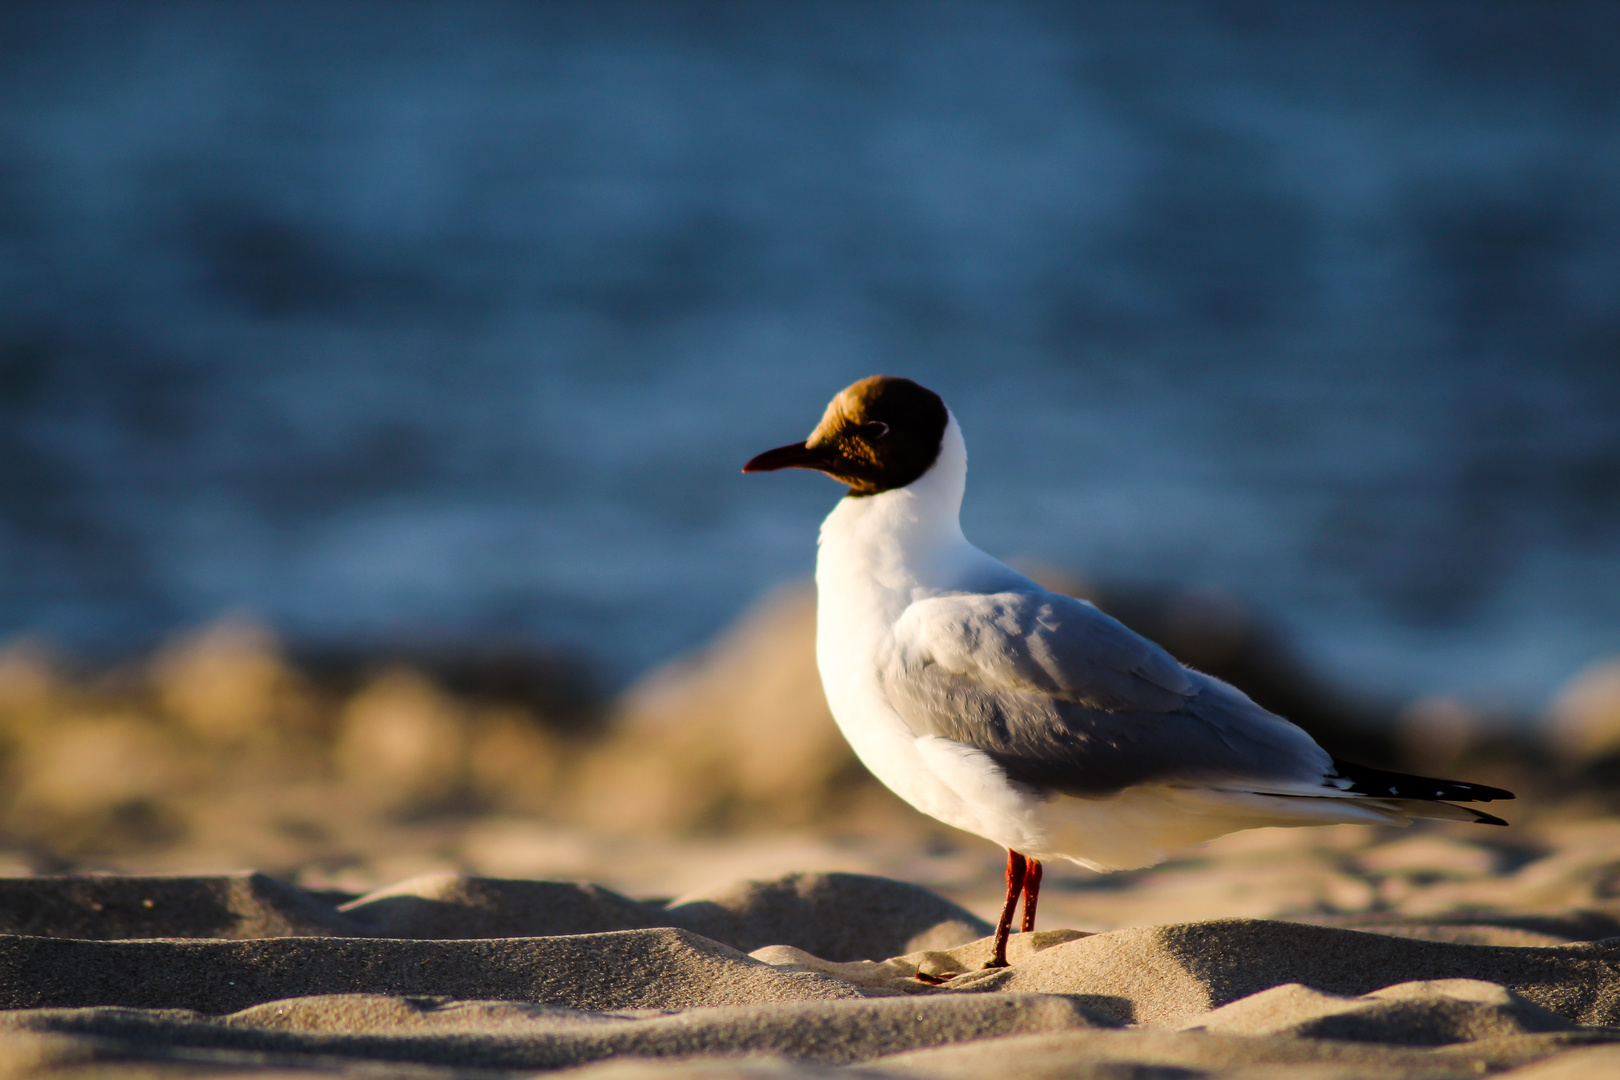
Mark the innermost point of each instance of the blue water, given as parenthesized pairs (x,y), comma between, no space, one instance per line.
(457,321)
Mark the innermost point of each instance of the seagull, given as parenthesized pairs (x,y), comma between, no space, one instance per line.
(1024,716)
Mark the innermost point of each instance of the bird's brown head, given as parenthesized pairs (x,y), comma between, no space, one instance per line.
(877,435)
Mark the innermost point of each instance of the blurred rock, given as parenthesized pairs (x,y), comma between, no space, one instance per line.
(1432,733)
(30,691)
(228,684)
(512,760)
(29,682)
(738,734)
(559,692)
(1583,721)
(404,739)
(219,722)
(98,783)
(1433,857)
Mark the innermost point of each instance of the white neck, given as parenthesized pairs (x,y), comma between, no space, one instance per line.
(907,538)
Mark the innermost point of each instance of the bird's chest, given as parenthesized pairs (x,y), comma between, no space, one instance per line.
(854,637)
(854,631)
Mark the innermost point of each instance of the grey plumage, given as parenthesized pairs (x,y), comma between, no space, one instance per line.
(1067,699)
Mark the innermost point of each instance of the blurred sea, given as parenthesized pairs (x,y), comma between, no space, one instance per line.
(455,322)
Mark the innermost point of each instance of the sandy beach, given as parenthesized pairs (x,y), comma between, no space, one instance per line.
(452,975)
(217,865)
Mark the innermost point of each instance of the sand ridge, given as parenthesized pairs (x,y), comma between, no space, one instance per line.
(801,910)
(386,1029)
(450,975)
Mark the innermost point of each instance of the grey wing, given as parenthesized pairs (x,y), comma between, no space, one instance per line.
(1065,698)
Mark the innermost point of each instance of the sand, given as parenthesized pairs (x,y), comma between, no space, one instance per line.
(452,975)
(463,886)
(805,911)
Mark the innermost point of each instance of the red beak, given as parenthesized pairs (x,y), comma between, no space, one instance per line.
(792,456)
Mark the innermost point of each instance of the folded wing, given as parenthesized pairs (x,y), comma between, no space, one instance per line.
(1065,698)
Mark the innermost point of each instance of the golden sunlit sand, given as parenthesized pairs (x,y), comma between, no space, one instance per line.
(221,860)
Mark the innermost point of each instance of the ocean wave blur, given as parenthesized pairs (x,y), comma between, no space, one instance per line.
(451,325)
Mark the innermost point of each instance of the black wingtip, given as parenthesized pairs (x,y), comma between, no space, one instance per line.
(1365,780)
(1482,818)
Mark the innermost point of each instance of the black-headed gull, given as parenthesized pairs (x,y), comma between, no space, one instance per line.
(1022,715)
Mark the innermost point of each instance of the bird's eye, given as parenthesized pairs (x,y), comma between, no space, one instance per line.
(874,429)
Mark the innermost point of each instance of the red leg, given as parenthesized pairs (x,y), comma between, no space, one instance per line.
(1015,886)
(1032,893)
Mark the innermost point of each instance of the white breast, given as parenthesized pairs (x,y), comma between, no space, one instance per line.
(878,555)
